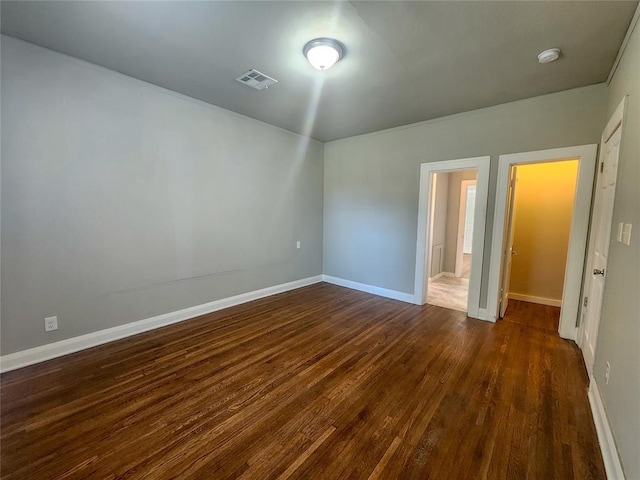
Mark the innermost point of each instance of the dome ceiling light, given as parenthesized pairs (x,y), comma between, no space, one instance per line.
(549,56)
(323,53)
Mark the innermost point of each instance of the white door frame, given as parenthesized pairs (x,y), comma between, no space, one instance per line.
(482,165)
(462,213)
(586,155)
(615,122)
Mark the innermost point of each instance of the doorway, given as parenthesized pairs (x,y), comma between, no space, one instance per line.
(451,234)
(451,214)
(573,269)
(537,230)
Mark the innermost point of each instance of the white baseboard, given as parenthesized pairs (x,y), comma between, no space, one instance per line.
(540,300)
(443,274)
(31,356)
(383,292)
(610,455)
(483,314)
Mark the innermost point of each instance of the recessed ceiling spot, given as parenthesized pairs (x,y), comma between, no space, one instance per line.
(323,53)
(256,79)
(548,56)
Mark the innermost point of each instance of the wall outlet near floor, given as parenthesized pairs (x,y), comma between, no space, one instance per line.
(606,374)
(298,244)
(50,324)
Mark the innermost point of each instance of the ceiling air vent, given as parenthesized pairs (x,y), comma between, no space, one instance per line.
(257,80)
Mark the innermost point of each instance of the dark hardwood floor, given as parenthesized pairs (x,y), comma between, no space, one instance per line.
(322,382)
(536,316)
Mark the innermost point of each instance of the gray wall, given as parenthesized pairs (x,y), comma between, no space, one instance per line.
(121,200)
(372,181)
(619,336)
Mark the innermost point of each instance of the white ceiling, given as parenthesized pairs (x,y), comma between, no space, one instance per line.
(405,61)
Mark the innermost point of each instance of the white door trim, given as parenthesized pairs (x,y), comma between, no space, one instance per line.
(616,119)
(586,155)
(482,165)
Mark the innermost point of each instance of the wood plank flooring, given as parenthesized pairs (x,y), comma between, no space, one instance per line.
(321,382)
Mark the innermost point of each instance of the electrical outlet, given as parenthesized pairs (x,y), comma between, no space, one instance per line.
(298,244)
(50,324)
(606,374)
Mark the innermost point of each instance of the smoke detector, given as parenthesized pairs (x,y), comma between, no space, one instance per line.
(255,79)
(548,56)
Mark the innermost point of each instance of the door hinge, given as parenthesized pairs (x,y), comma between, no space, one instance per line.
(586,300)
(601,167)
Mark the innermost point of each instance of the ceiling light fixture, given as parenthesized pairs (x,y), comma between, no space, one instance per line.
(549,56)
(323,53)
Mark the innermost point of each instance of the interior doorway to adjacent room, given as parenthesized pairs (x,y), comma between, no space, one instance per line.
(501,245)
(432,254)
(537,230)
(451,238)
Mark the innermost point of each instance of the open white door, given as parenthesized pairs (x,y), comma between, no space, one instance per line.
(599,246)
(464,243)
(508,250)
(470,201)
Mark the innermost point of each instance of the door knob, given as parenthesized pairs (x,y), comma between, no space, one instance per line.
(597,271)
